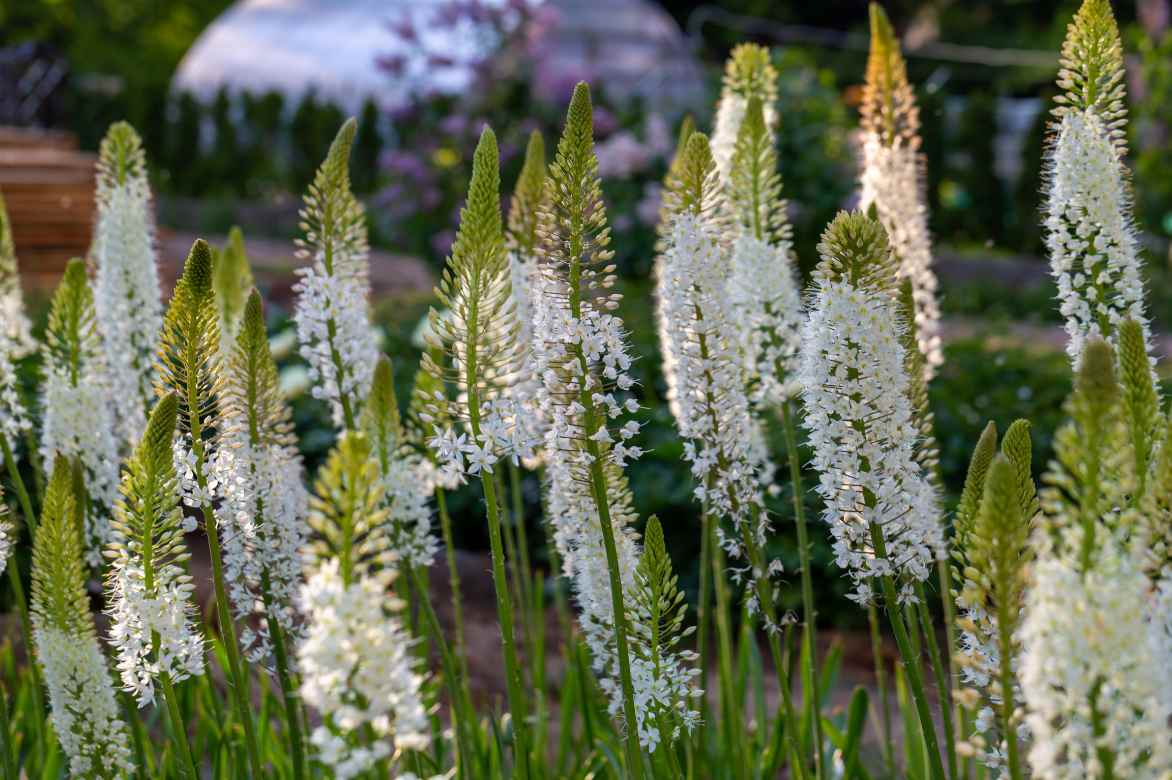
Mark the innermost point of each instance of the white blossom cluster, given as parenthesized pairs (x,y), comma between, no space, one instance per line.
(409,528)
(341,364)
(891,182)
(578,537)
(84,709)
(78,422)
(137,614)
(126,294)
(1094,254)
(855,390)
(262,511)
(572,506)
(979,661)
(767,308)
(527,384)
(1091,680)
(505,433)
(358,670)
(14,323)
(705,376)
(14,419)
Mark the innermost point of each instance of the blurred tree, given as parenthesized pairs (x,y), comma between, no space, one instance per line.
(224,161)
(182,157)
(368,145)
(982,216)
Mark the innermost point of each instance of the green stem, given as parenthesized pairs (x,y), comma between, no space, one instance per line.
(704,609)
(730,704)
(809,613)
(881,683)
(508,637)
(178,727)
(944,574)
(943,688)
(6,746)
(288,686)
(1005,637)
(911,663)
(441,502)
(26,505)
(26,628)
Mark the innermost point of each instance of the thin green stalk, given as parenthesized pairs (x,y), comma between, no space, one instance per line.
(809,613)
(285,677)
(884,691)
(704,610)
(143,764)
(26,505)
(730,703)
(505,615)
(911,662)
(178,727)
(944,574)
(6,746)
(943,689)
(1005,639)
(519,519)
(457,599)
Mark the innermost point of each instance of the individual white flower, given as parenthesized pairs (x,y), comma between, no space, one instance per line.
(126,283)
(1092,682)
(855,390)
(84,710)
(1094,254)
(333,303)
(357,667)
(767,306)
(891,182)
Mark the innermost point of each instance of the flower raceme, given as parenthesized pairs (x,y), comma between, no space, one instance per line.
(891,178)
(356,660)
(81,694)
(748,74)
(15,328)
(333,304)
(77,415)
(855,390)
(152,629)
(126,282)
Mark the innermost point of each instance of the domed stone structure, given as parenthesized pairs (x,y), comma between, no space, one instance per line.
(630,48)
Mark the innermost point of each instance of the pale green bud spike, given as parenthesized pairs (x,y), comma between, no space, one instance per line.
(190,342)
(1018,448)
(1096,380)
(1140,402)
(854,249)
(697,186)
(346,512)
(1091,72)
(251,388)
(59,596)
(749,73)
(231,281)
(669,206)
(755,186)
(974,486)
(332,220)
(120,157)
(72,329)
(999,547)
(380,416)
(657,598)
(7,248)
(525,208)
(888,107)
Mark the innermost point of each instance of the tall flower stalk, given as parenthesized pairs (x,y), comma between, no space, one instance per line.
(152,625)
(478,335)
(232,282)
(892,178)
(358,669)
(78,418)
(748,73)
(880,505)
(333,303)
(992,553)
(1090,237)
(1098,707)
(126,282)
(258,474)
(189,367)
(81,694)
